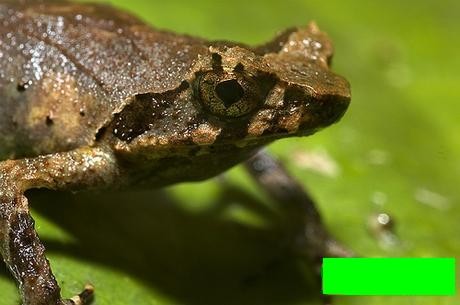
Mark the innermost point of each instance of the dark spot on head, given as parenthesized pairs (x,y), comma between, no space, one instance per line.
(145,112)
(49,121)
(100,133)
(239,68)
(216,61)
(229,91)
(266,83)
(82,113)
(136,117)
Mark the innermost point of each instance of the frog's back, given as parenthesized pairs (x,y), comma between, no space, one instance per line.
(65,69)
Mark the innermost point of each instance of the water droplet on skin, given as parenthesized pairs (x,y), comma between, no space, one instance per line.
(317,45)
(306,42)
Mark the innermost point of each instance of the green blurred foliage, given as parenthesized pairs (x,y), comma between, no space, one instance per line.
(217,242)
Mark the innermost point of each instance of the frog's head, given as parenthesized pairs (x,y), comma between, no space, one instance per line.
(281,89)
(238,99)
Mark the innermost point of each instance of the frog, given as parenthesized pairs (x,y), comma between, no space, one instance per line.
(93,98)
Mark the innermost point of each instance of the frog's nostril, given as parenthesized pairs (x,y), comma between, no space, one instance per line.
(229,91)
(326,111)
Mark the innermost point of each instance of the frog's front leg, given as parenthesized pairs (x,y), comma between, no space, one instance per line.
(310,237)
(20,246)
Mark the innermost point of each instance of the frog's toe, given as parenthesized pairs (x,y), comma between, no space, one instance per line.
(84,298)
(334,248)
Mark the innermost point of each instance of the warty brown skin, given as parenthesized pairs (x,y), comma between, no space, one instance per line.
(91,97)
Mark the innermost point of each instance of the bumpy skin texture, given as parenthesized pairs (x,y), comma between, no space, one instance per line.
(66,68)
(91,97)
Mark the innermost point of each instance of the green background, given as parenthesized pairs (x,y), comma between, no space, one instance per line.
(219,242)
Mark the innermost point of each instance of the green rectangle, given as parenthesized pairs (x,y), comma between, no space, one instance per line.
(388,276)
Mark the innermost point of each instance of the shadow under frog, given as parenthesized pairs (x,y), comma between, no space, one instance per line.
(196,258)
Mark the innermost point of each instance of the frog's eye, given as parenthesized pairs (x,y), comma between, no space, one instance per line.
(229,92)
(229,96)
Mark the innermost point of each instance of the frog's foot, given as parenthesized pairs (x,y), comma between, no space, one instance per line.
(310,238)
(303,221)
(334,248)
(84,298)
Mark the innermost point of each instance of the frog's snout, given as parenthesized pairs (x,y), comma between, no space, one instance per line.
(325,111)
(305,114)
